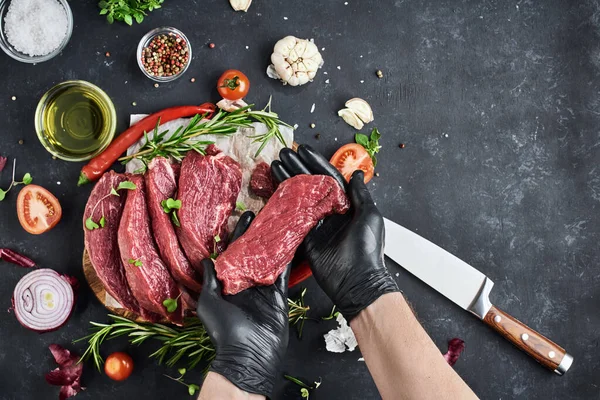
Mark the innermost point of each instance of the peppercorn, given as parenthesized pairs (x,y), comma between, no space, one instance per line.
(156,85)
(134,104)
(312,126)
(21,141)
(402,145)
(13,98)
(165,55)
(318,136)
(379,74)
(193,80)
(211,45)
(107,54)
(376,173)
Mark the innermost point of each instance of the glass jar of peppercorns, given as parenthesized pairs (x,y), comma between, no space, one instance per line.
(164,54)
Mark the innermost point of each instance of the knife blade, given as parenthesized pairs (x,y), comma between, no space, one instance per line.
(469,289)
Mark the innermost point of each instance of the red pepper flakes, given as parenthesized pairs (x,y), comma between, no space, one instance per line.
(165,55)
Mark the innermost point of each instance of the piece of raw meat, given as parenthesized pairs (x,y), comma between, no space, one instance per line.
(101,243)
(261,182)
(161,184)
(261,254)
(208,188)
(147,275)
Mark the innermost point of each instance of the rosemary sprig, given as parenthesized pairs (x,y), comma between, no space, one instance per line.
(271,120)
(298,312)
(191,340)
(184,139)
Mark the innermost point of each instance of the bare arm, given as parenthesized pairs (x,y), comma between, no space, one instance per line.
(402,358)
(216,386)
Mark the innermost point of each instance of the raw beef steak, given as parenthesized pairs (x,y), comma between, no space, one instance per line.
(208,188)
(261,182)
(101,243)
(161,184)
(261,254)
(147,275)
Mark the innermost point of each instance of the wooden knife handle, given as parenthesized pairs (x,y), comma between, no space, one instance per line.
(542,349)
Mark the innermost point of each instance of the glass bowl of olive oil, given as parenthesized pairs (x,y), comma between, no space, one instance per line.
(75,120)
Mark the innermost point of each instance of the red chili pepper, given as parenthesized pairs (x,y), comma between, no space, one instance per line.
(99,164)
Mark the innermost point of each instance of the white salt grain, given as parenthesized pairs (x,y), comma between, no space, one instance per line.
(312,109)
(35,27)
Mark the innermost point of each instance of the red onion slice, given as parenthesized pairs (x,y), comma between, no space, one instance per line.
(455,347)
(13,257)
(43,300)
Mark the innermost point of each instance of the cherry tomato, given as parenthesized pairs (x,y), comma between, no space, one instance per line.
(118,366)
(351,157)
(38,210)
(233,85)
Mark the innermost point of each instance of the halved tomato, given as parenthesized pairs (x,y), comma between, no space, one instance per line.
(351,157)
(38,210)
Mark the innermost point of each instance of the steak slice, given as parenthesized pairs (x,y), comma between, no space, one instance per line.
(101,243)
(161,184)
(147,275)
(261,182)
(261,254)
(208,188)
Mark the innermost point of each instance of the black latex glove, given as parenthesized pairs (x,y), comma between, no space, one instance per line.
(249,330)
(345,252)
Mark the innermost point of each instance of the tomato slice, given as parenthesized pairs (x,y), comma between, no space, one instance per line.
(233,85)
(351,157)
(118,366)
(38,210)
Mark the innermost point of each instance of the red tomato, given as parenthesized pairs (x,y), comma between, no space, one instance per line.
(233,85)
(351,157)
(118,366)
(38,210)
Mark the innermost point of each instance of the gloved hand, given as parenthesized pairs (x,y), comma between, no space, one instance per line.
(249,330)
(345,252)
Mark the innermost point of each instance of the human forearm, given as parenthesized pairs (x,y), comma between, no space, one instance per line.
(216,386)
(402,358)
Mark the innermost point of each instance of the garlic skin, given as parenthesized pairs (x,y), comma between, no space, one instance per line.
(294,61)
(240,5)
(231,105)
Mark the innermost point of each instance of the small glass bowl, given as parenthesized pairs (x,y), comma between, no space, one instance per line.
(103,100)
(17,55)
(145,41)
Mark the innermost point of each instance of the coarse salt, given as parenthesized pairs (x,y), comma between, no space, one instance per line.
(35,27)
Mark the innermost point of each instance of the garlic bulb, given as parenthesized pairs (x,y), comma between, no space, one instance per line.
(240,5)
(294,61)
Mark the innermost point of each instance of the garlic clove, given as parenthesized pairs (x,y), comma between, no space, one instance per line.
(351,118)
(361,108)
(240,5)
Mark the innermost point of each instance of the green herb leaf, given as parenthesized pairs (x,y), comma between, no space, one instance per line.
(128,20)
(27,179)
(214,255)
(90,224)
(217,238)
(240,206)
(304,393)
(371,144)
(2,194)
(137,263)
(102,221)
(126,185)
(297,381)
(174,204)
(113,192)
(165,207)
(175,219)
(192,389)
(362,139)
(170,305)
(182,371)
(110,18)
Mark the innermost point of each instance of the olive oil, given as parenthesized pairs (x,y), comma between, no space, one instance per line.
(76,121)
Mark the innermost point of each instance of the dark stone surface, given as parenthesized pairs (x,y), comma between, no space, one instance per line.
(498,105)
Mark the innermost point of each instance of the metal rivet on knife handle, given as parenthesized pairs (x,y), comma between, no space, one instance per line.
(542,349)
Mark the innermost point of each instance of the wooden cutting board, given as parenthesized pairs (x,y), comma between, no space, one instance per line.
(98,289)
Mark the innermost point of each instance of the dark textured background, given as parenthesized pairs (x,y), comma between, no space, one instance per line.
(513,189)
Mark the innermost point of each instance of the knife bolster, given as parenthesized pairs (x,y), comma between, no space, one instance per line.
(482,305)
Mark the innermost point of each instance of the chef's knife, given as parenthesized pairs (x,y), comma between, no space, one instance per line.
(469,289)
